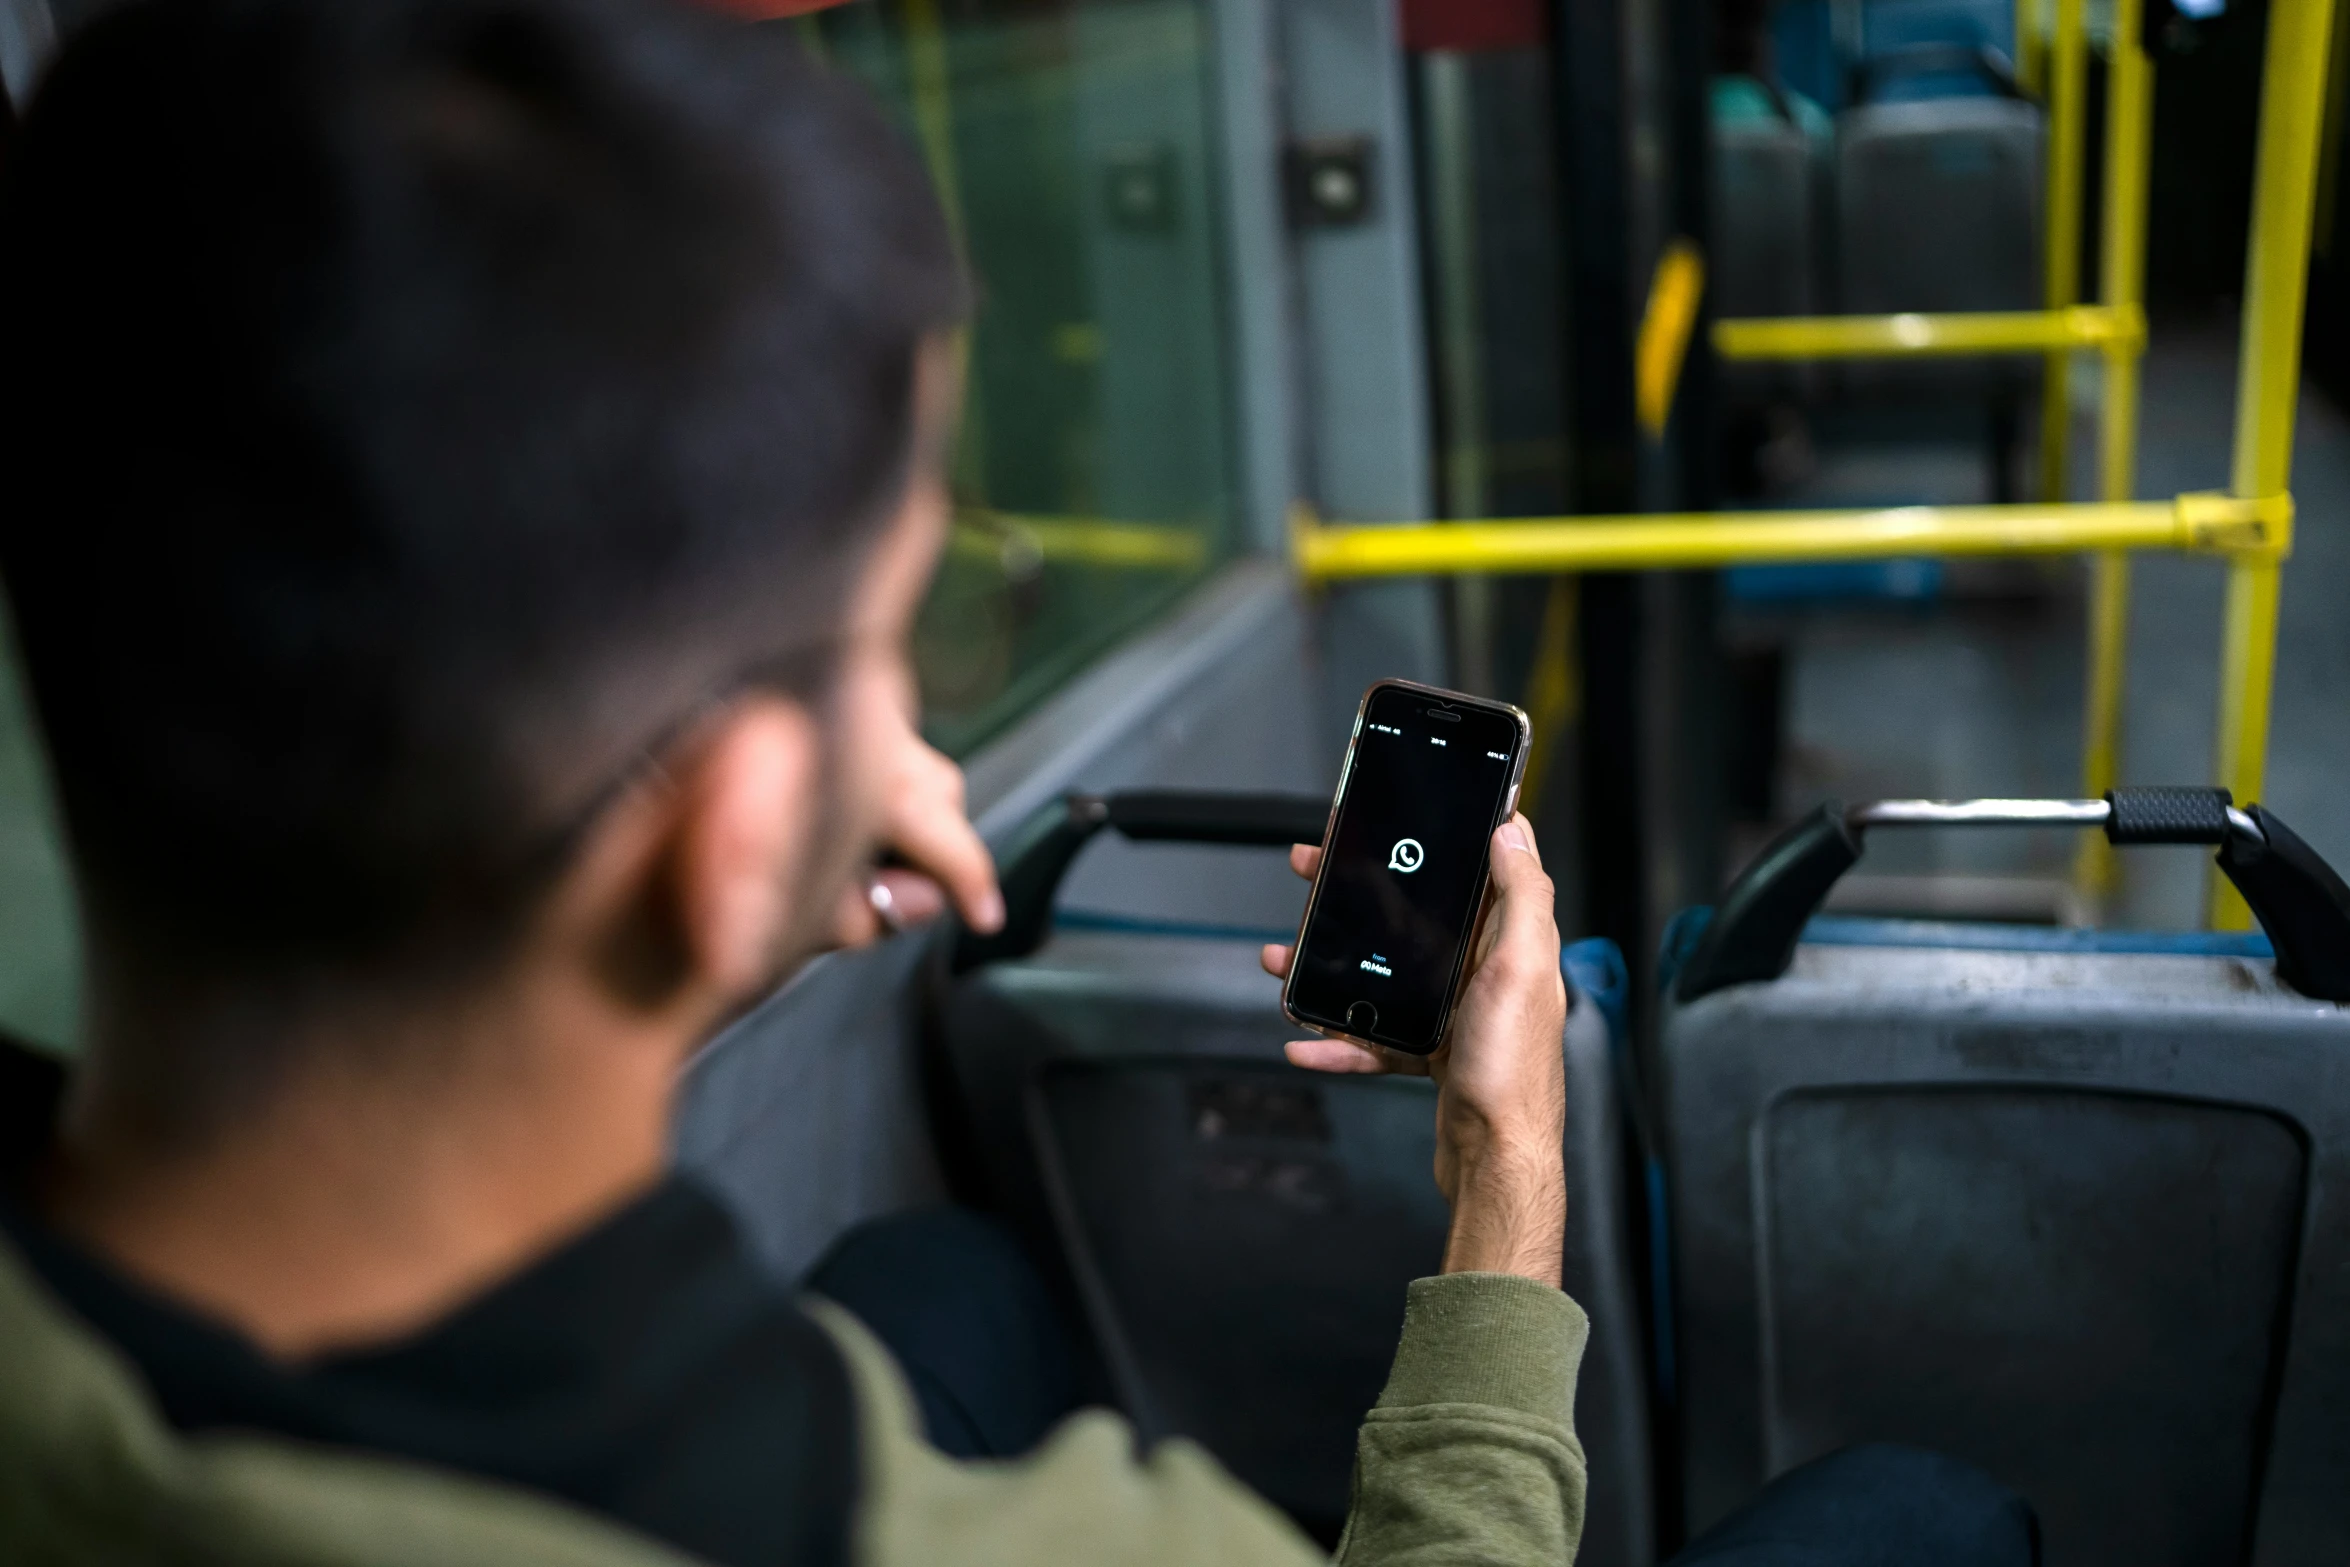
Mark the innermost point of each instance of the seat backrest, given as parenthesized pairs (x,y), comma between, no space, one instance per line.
(1766,226)
(2076,1210)
(1238,1233)
(1763,215)
(1938,206)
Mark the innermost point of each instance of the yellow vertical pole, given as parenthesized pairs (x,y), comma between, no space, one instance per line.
(1554,690)
(2268,377)
(929,78)
(2129,118)
(2329,157)
(934,111)
(2068,91)
(2029,55)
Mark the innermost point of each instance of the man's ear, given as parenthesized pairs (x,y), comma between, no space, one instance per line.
(745,808)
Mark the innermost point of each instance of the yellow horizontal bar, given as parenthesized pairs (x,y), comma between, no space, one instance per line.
(2210,523)
(1889,337)
(1020,542)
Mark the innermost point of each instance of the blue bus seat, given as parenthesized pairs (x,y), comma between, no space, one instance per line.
(1238,1233)
(2072,1205)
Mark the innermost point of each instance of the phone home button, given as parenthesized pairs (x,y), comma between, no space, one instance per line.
(1362,1017)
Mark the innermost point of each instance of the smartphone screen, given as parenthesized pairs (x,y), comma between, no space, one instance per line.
(1387,930)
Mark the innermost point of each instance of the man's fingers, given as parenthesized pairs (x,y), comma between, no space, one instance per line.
(1275,957)
(1517,836)
(885,903)
(942,846)
(911,897)
(1518,876)
(1350,1055)
(1305,859)
(1523,916)
(855,923)
(1332,1055)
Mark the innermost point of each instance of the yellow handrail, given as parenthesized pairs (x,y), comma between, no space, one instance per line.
(2250,526)
(2129,118)
(1924,332)
(2068,92)
(2268,377)
(1013,538)
(2258,530)
(2254,535)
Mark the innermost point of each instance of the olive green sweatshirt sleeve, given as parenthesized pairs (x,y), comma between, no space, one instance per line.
(1470,1456)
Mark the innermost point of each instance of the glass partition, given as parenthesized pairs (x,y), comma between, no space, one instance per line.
(1071,141)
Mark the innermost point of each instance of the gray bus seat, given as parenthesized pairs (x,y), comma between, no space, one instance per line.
(1937,208)
(2072,1205)
(1238,1233)
(1766,218)
(1938,199)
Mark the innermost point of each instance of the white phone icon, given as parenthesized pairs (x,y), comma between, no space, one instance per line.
(1407,856)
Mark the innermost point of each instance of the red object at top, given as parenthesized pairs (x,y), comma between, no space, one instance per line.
(1474,24)
(768,10)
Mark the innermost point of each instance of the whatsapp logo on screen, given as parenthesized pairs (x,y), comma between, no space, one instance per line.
(1407,856)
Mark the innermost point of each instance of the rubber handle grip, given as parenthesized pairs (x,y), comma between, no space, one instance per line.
(2168,814)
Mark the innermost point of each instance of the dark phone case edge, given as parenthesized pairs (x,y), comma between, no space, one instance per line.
(1525,728)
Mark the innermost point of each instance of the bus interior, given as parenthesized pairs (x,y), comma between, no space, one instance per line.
(1890,448)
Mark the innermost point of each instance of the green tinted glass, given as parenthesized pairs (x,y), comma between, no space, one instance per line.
(39,946)
(1071,142)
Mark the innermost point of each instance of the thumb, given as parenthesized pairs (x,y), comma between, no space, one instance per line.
(1514,852)
(1522,891)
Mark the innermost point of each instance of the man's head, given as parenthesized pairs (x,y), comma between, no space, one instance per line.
(427,422)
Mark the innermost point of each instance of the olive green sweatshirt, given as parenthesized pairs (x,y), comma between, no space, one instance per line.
(1470,1456)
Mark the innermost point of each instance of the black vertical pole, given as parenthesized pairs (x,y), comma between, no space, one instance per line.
(1688,756)
(1603,438)
(1697,674)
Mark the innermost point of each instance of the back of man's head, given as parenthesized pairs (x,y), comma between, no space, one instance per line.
(410,405)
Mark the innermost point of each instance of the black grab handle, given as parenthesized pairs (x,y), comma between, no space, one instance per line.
(1755,928)
(2299,900)
(1044,846)
(1273,821)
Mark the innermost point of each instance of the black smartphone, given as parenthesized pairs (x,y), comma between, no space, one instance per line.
(1429,775)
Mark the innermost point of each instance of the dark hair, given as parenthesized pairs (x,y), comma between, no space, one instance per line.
(410,406)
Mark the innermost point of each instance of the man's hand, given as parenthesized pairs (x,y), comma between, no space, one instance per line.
(1501,1098)
(922,823)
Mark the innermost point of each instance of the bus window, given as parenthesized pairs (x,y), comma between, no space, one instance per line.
(1073,145)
